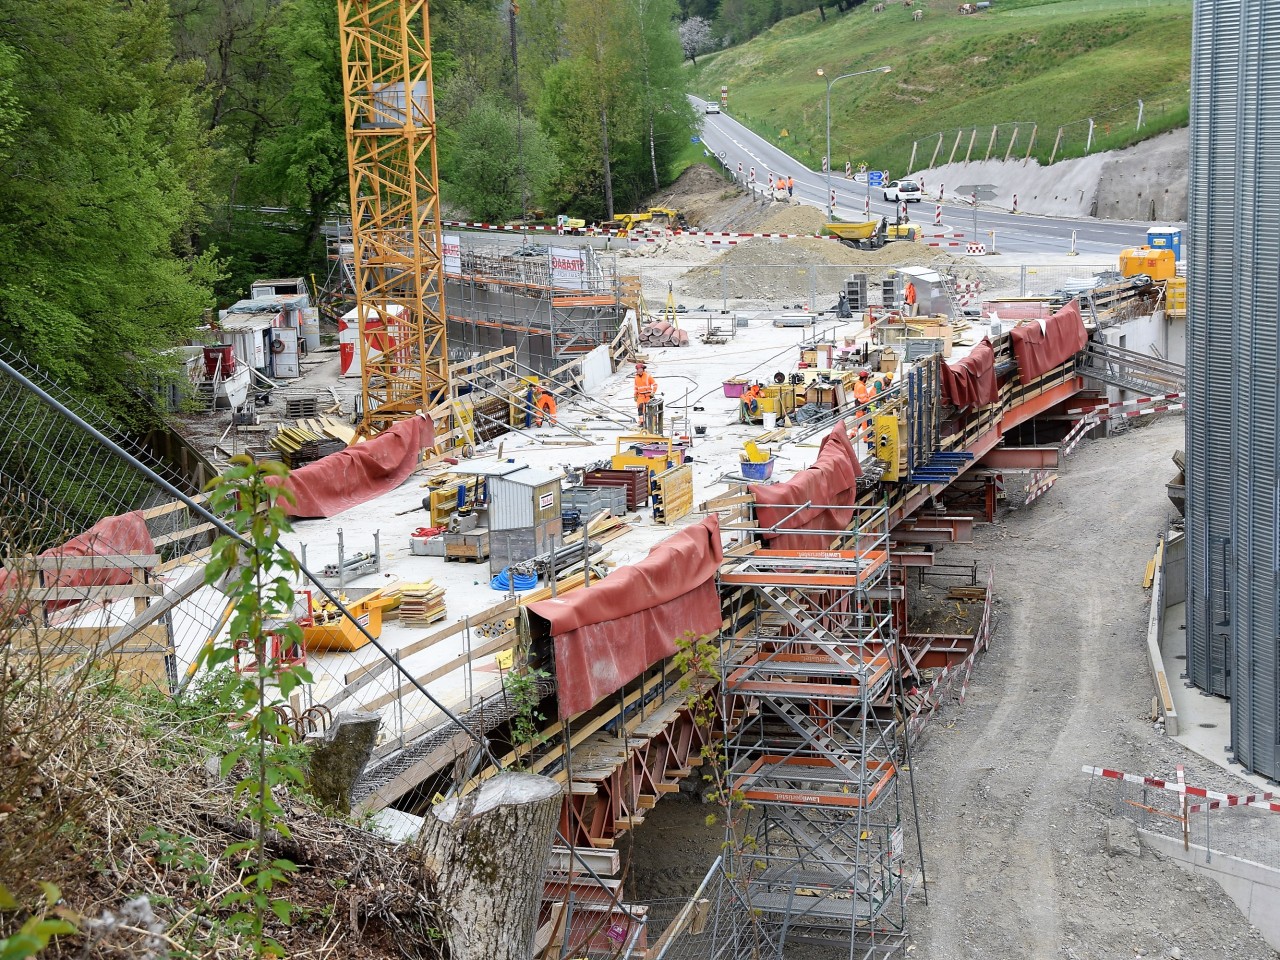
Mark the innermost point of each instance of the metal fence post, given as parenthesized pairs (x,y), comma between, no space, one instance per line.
(1022,281)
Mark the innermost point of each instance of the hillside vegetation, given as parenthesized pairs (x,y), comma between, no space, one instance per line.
(1054,63)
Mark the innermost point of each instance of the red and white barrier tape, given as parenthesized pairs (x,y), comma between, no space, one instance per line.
(1259,800)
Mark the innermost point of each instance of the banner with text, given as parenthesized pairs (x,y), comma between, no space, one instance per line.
(569,268)
(453,254)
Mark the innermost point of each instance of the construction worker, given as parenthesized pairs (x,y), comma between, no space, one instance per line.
(883,385)
(749,406)
(645,388)
(546,407)
(791,186)
(909,299)
(861,392)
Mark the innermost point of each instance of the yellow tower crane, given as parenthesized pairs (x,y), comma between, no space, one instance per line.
(395,207)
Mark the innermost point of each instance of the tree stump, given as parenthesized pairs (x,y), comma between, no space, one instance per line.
(488,852)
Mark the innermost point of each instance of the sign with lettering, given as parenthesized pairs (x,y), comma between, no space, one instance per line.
(452,254)
(568,268)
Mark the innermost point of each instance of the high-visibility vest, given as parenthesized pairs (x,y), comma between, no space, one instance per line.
(646,387)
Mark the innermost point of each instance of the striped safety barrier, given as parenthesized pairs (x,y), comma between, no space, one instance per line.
(1264,801)
(976,249)
(1135,402)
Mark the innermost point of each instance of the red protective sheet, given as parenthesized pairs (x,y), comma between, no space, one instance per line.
(353,476)
(830,484)
(971,381)
(109,537)
(611,632)
(1040,349)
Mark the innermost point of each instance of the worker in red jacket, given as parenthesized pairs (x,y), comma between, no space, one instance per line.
(645,389)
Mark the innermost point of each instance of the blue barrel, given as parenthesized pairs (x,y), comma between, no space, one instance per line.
(1166,238)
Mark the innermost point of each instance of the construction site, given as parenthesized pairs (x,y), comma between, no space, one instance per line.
(863,579)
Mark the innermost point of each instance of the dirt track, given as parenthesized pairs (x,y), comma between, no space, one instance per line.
(1014,847)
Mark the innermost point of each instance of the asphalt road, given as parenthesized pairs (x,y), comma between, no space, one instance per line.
(733,144)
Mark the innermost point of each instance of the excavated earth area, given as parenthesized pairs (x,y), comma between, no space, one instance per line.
(1015,846)
(758,272)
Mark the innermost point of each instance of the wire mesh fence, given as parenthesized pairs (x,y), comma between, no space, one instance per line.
(112,544)
(1220,827)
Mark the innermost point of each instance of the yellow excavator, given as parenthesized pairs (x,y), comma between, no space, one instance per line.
(624,223)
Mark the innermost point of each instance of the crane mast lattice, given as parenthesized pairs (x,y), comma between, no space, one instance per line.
(395,207)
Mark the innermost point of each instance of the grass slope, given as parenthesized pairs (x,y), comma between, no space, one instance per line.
(1051,62)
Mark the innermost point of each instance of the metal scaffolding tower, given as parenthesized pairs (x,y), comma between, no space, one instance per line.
(395,207)
(813,674)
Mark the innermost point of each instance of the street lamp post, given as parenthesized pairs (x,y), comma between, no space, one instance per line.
(830,83)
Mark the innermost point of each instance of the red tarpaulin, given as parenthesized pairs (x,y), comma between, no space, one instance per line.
(829,484)
(1042,345)
(608,634)
(109,537)
(971,381)
(353,476)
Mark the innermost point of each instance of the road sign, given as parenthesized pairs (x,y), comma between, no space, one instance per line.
(983,191)
(695,139)
(860,177)
(875,178)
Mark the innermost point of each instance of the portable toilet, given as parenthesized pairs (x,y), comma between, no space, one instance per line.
(1166,238)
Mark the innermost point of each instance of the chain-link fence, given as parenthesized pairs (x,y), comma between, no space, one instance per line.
(111,546)
(1219,826)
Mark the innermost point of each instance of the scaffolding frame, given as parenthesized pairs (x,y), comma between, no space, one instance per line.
(813,676)
(395,207)
(495,300)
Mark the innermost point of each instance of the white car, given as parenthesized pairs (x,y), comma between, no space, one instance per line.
(713,107)
(904,190)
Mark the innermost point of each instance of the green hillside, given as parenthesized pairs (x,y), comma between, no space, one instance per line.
(1052,63)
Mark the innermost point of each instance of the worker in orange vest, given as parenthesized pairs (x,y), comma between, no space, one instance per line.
(749,407)
(546,407)
(645,388)
(909,298)
(791,185)
(861,393)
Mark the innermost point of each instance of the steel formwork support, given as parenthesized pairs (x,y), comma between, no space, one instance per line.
(818,757)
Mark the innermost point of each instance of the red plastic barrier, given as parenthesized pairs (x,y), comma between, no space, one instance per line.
(829,484)
(109,537)
(356,475)
(1042,345)
(971,381)
(611,632)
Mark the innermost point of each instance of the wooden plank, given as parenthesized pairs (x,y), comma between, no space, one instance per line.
(167,508)
(103,562)
(174,537)
(491,646)
(115,592)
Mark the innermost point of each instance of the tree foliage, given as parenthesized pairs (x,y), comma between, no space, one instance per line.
(104,163)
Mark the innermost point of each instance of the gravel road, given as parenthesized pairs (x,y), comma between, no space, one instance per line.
(1015,847)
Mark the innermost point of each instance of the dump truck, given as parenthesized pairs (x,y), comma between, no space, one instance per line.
(872,234)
